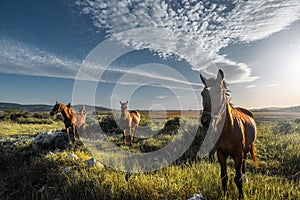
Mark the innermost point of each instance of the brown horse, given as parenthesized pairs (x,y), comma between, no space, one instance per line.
(129,120)
(72,119)
(237,134)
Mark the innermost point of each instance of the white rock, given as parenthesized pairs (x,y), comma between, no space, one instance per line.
(50,141)
(72,157)
(99,164)
(197,196)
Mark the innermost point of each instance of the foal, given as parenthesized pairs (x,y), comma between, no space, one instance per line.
(237,134)
(129,120)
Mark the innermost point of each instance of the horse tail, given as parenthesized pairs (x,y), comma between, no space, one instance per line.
(253,154)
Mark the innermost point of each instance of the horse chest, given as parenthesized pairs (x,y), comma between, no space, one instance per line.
(124,123)
(231,140)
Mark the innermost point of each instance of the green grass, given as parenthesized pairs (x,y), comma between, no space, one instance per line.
(12,128)
(24,172)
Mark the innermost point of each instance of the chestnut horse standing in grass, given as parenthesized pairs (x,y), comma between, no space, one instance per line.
(72,119)
(129,120)
(238,133)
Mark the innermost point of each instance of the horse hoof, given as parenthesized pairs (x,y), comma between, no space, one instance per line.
(245,179)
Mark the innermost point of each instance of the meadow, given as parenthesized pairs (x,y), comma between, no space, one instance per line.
(42,175)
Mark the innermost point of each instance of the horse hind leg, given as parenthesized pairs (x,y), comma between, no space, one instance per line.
(134,131)
(131,135)
(244,168)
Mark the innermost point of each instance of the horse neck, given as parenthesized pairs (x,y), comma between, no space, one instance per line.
(127,114)
(65,112)
(229,113)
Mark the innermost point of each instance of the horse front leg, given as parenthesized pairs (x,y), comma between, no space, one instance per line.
(211,155)
(238,161)
(124,137)
(222,160)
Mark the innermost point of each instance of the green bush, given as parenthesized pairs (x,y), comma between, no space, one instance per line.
(22,117)
(145,121)
(108,124)
(283,127)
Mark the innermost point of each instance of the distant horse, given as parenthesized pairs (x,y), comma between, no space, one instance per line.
(72,119)
(129,120)
(237,134)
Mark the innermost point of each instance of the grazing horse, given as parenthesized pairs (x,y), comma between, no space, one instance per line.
(72,119)
(129,120)
(237,134)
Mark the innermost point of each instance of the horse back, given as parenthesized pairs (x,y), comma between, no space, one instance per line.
(245,111)
(79,118)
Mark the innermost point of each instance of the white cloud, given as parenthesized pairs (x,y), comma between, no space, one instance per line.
(151,74)
(251,86)
(162,97)
(234,72)
(272,85)
(20,58)
(194,31)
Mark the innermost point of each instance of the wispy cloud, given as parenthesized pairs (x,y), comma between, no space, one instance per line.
(235,72)
(162,97)
(272,85)
(194,31)
(251,86)
(19,58)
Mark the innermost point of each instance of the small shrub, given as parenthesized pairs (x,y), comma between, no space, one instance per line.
(108,124)
(145,121)
(297,121)
(283,127)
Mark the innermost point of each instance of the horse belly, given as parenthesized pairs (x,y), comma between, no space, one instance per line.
(250,133)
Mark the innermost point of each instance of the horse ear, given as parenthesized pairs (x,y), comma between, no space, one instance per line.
(203,79)
(56,102)
(220,75)
(126,102)
(120,102)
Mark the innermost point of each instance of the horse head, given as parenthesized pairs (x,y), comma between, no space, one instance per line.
(56,108)
(124,110)
(213,97)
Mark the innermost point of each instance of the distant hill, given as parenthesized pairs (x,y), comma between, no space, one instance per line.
(44,107)
(278,109)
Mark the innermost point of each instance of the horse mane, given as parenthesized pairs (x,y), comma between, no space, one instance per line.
(225,85)
(243,110)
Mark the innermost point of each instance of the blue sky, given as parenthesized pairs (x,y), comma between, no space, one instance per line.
(51,50)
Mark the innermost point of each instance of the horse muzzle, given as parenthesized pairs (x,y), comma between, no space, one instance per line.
(52,113)
(123,117)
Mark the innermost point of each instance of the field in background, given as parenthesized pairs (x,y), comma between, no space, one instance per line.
(29,175)
(260,116)
(275,116)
